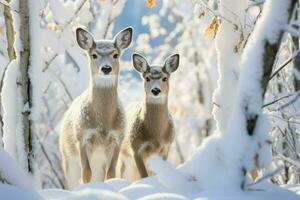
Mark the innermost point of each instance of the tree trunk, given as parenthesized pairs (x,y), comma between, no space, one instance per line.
(269,56)
(25,80)
(228,36)
(10,33)
(10,38)
(296,61)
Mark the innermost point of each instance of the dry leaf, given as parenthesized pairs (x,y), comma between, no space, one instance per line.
(2,30)
(201,14)
(240,43)
(52,27)
(213,28)
(179,111)
(151,3)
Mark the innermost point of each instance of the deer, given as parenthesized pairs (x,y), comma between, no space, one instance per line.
(150,125)
(93,127)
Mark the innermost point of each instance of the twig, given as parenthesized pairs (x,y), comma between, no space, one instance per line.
(293,162)
(266,176)
(287,139)
(47,63)
(236,26)
(50,163)
(6,4)
(281,98)
(290,102)
(284,64)
(62,30)
(63,85)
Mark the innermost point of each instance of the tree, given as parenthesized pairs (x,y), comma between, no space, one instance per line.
(17,125)
(245,145)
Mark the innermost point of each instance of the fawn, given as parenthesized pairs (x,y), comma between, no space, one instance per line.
(94,125)
(150,128)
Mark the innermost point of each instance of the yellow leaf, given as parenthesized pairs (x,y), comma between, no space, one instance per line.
(240,43)
(52,27)
(2,30)
(212,28)
(151,3)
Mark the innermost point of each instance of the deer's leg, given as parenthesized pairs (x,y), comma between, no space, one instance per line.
(140,165)
(65,170)
(166,152)
(73,172)
(97,160)
(111,173)
(85,167)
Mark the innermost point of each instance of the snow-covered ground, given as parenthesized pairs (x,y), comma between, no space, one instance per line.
(148,189)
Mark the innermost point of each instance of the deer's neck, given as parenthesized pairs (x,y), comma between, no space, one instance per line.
(104,98)
(156,116)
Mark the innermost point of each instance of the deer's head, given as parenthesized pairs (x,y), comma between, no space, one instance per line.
(156,77)
(104,55)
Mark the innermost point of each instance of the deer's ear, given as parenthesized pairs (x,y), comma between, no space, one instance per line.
(171,63)
(84,39)
(140,63)
(124,38)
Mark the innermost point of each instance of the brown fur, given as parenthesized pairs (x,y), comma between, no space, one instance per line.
(151,130)
(151,133)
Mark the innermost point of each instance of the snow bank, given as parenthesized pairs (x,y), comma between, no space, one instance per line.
(17,193)
(229,57)
(12,172)
(145,189)
(13,139)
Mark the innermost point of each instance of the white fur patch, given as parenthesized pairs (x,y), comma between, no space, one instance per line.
(161,99)
(105,80)
(88,134)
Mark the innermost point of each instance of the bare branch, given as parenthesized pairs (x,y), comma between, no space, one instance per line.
(279,99)
(236,26)
(284,64)
(62,83)
(290,102)
(293,162)
(49,162)
(267,176)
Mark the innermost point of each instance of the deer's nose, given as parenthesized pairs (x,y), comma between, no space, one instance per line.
(155,91)
(106,69)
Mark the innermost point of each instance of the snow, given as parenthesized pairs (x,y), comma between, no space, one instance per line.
(12,172)
(9,99)
(228,59)
(13,139)
(17,193)
(146,189)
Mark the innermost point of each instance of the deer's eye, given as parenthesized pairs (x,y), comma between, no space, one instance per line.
(165,79)
(94,56)
(147,79)
(115,56)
